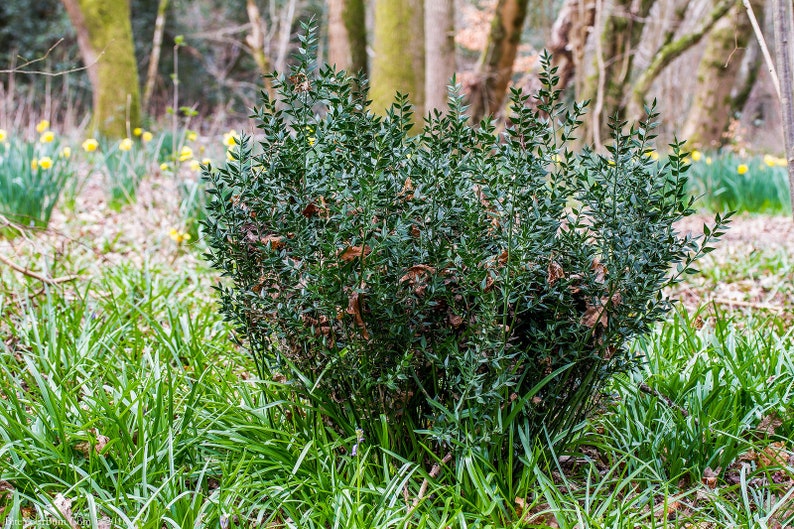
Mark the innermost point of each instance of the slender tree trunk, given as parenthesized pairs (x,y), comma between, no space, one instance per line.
(154,58)
(399,62)
(347,35)
(784,33)
(717,76)
(256,43)
(439,52)
(569,37)
(615,48)
(495,68)
(104,36)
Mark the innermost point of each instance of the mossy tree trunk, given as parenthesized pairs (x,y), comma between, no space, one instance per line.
(717,75)
(569,37)
(615,49)
(104,36)
(495,67)
(347,35)
(439,52)
(398,64)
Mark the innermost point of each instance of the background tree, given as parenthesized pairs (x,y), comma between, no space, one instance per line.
(439,51)
(104,35)
(398,64)
(347,35)
(495,67)
(715,103)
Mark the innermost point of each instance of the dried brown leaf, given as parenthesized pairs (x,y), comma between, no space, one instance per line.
(416,272)
(64,506)
(554,272)
(354,309)
(599,269)
(354,252)
(455,320)
(710,477)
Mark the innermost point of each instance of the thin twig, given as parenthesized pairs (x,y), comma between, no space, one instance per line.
(434,472)
(762,43)
(20,69)
(645,388)
(30,273)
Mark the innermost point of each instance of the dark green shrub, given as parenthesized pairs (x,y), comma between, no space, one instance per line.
(473,286)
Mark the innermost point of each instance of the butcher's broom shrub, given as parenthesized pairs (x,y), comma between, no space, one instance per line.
(466,287)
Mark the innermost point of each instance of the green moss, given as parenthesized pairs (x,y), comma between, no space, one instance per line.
(398,65)
(116,94)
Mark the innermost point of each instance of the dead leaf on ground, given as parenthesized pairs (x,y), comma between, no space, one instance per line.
(769,423)
(416,272)
(710,477)
(599,269)
(598,314)
(555,272)
(354,252)
(773,455)
(541,513)
(354,309)
(455,320)
(64,506)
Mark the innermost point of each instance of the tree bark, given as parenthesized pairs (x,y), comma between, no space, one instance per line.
(398,64)
(675,48)
(784,32)
(439,52)
(717,76)
(495,67)
(256,43)
(104,36)
(617,43)
(154,58)
(347,35)
(569,37)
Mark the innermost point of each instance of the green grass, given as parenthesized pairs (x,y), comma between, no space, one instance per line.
(126,395)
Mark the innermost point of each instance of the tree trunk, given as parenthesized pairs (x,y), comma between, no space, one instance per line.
(439,52)
(717,76)
(347,35)
(104,36)
(615,48)
(154,58)
(569,37)
(784,33)
(495,68)
(399,62)
(256,43)
(675,48)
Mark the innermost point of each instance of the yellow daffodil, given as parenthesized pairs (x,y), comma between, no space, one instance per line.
(191,136)
(90,145)
(206,161)
(312,141)
(654,155)
(178,236)
(742,168)
(45,162)
(781,162)
(42,126)
(696,156)
(164,166)
(47,137)
(125,144)
(770,160)
(3,135)
(230,138)
(34,164)
(229,155)
(66,152)
(185,154)
(147,136)
(195,165)
(137,131)
(708,160)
